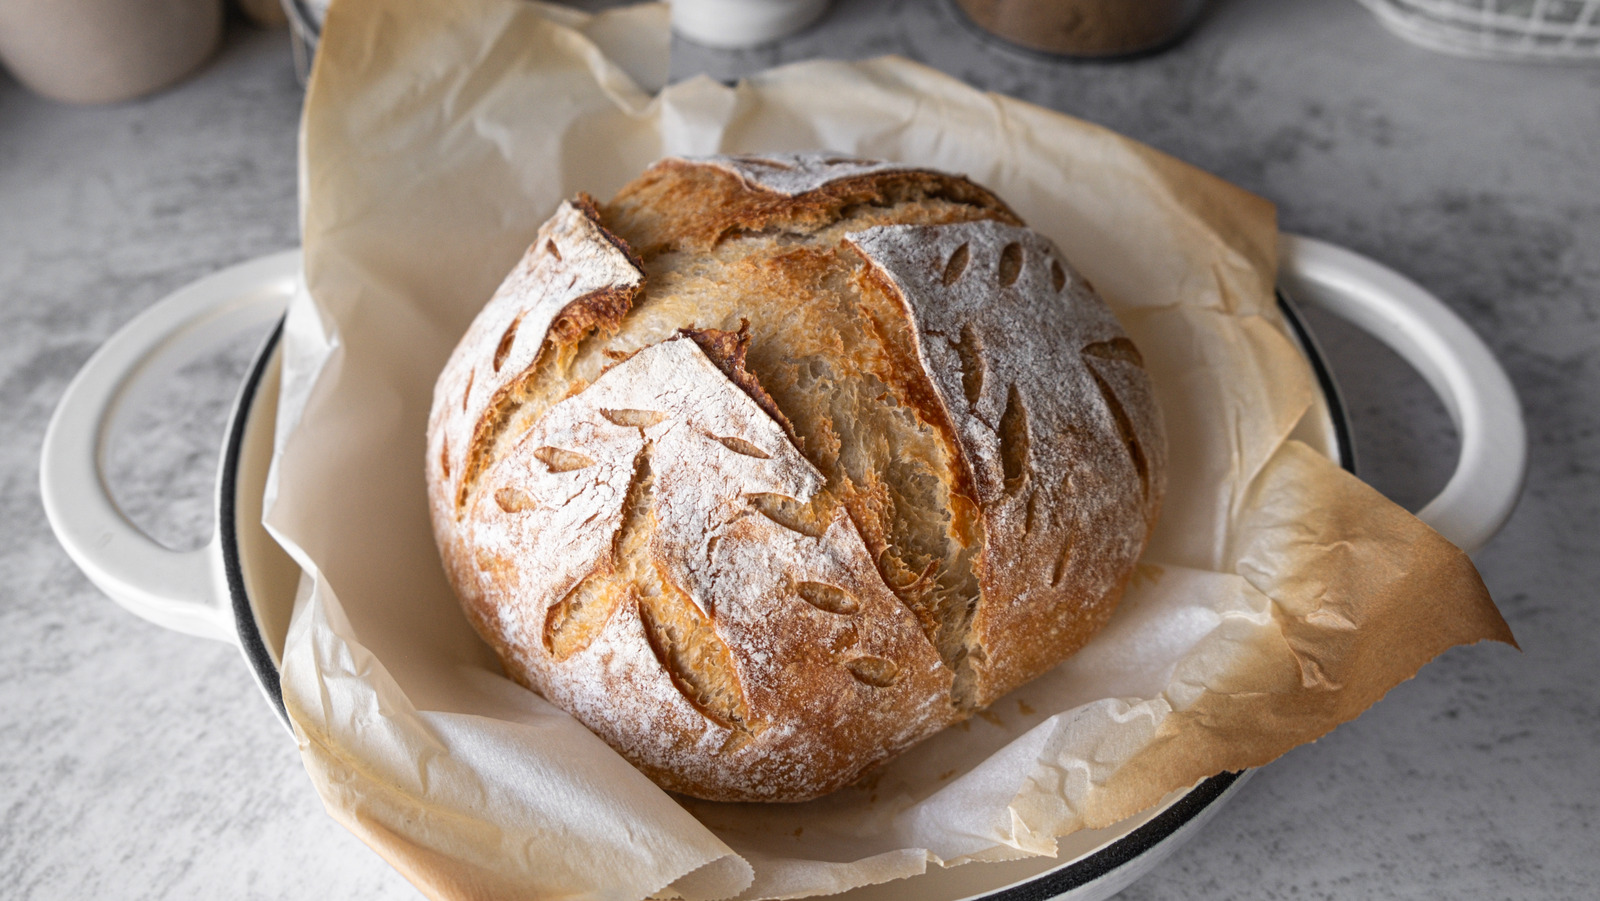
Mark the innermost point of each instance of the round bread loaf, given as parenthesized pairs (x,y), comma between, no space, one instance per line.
(773,466)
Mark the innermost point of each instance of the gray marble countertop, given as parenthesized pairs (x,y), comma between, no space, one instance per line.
(137,763)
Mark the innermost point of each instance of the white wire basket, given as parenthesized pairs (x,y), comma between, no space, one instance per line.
(1555,30)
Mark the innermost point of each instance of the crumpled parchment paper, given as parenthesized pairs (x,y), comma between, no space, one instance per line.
(1279,597)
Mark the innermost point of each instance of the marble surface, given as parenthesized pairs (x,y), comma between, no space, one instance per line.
(137,763)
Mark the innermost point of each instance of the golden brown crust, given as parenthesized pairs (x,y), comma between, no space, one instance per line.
(696,204)
(602,308)
(727,350)
(828,454)
(550,301)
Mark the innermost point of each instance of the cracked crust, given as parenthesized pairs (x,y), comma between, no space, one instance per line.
(773,466)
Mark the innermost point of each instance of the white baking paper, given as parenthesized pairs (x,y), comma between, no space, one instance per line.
(1279,596)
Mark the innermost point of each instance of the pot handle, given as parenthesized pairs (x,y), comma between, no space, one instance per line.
(184,591)
(1487,481)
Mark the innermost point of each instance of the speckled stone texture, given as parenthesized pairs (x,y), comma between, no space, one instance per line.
(135,763)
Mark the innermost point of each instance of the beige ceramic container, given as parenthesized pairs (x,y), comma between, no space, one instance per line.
(103,51)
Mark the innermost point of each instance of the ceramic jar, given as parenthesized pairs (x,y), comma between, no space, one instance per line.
(103,51)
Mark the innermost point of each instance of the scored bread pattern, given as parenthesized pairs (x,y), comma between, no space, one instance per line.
(570,262)
(631,520)
(651,566)
(1038,408)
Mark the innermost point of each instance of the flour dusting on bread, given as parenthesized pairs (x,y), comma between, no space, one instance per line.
(798,173)
(1063,500)
(774,465)
(573,268)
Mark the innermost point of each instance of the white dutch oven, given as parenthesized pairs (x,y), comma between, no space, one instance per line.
(240,587)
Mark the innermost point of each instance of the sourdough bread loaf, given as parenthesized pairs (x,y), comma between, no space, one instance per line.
(775,465)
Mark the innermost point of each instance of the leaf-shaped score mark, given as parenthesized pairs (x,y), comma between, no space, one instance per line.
(560,460)
(827,597)
(879,672)
(507,339)
(1063,563)
(633,419)
(791,514)
(514,500)
(694,656)
(955,266)
(1010,264)
(573,622)
(1015,441)
(969,351)
(742,447)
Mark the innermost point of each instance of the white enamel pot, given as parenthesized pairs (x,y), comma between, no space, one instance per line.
(240,587)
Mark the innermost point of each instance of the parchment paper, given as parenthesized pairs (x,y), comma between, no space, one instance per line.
(1280,596)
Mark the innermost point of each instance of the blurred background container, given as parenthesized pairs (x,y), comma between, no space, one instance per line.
(103,51)
(1085,28)
(107,51)
(1550,30)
